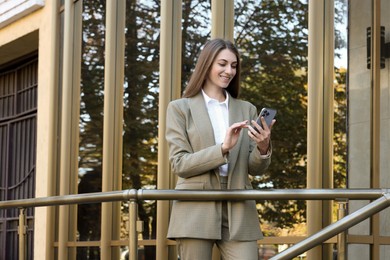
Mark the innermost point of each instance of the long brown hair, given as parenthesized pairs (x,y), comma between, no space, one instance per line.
(206,58)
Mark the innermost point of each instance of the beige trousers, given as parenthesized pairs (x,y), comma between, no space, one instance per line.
(201,249)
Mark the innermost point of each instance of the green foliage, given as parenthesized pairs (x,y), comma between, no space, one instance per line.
(196,31)
(92,86)
(340,126)
(140,126)
(140,108)
(272,37)
(91,123)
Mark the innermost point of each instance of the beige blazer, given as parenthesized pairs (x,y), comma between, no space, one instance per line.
(195,159)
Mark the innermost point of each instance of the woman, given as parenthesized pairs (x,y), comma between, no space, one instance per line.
(212,146)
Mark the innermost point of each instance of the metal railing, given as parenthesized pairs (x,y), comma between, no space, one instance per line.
(380,200)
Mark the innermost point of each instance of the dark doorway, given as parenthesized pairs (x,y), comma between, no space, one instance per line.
(18,127)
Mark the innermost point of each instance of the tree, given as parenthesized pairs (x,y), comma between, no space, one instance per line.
(91,123)
(140,126)
(340,142)
(272,36)
(141,108)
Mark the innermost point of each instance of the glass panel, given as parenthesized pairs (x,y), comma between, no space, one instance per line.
(90,253)
(141,253)
(91,123)
(340,92)
(196,19)
(267,251)
(358,251)
(384,222)
(272,37)
(340,99)
(384,252)
(140,128)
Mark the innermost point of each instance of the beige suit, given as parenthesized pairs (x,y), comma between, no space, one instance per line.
(195,159)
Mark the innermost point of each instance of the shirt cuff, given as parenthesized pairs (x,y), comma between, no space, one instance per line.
(226,157)
(266,156)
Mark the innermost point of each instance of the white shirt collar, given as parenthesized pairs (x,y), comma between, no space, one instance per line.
(208,99)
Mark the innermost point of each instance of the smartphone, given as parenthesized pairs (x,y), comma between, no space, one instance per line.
(268,114)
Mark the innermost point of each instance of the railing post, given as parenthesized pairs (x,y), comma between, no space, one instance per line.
(133,235)
(341,237)
(22,230)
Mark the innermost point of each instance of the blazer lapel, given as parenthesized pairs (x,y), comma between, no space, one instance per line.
(235,115)
(205,129)
(202,120)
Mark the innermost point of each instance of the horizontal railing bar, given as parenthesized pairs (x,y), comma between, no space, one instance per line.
(95,197)
(196,195)
(381,197)
(271,194)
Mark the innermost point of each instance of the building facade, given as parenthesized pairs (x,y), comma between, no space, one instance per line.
(70,67)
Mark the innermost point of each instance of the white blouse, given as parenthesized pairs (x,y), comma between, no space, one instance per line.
(219,117)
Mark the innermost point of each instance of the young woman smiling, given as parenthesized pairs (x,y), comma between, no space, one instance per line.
(213,146)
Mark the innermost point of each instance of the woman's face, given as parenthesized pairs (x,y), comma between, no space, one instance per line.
(222,70)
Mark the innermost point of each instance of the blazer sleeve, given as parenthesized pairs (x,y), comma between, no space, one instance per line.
(258,164)
(185,162)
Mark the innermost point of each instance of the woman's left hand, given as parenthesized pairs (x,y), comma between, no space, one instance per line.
(231,136)
(262,136)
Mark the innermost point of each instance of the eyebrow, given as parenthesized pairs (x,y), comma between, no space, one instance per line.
(226,60)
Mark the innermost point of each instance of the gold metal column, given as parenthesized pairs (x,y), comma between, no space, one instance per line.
(170,78)
(69,125)
(22,233)
(112,128)
(133,215)
(314,121)
(320,117)
(222,19)
(53,126)
(73,176)
(328,119)
(375,120)
(342,237)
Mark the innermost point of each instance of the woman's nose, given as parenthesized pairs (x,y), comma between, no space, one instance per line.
(229,69)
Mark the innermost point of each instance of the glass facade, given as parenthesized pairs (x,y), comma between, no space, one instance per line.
(348,112)
(91,124)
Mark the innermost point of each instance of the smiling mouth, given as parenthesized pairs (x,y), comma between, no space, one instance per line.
(226,78)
